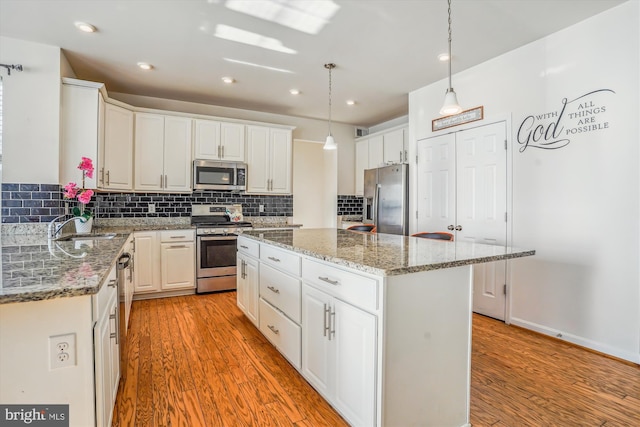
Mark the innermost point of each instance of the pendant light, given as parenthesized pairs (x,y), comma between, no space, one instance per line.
(330,143)
(451,105)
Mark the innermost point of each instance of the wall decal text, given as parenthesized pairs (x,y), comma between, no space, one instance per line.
(553,130)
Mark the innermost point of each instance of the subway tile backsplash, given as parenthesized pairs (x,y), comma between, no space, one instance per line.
(349,205)
(33,203)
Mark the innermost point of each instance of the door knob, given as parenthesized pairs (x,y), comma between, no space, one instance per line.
(450,227)
(458,227)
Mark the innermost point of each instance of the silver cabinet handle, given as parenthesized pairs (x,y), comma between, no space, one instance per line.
(326,319)
(274,259)
(112,283)
(178,246)
(115,317)
(244,247)
(102,175)
(332,323)
(219,152)
(405,156)
(450,227)
(458,227)
(326,279)
(108,172)
(178,237)
(166,182)
(222,146)
(400,156)
(274,290)
(273,329)
(244,269)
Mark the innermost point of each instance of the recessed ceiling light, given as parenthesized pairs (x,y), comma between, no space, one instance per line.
(351,102)
(443,57)
(228,80)
(294,91)
(87,28)
(145,65)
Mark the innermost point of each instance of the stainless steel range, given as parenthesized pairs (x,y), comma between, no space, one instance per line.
(216,245)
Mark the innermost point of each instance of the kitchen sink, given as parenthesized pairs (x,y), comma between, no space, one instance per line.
(76,237)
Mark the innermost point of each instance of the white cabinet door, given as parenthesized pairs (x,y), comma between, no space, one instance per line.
(281,158)
(355,353)
(147,261)
(258,159)
(248,287)
(149,152)
(177,265)
(394,149)
(206,139)
(362,163)
(232,141)
(102,357)
(317,350)
(376,152)
(177,154)
(116,172)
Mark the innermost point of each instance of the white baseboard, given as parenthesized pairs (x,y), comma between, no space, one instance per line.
(574,339)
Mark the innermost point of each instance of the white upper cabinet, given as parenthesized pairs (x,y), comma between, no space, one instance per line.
(377,150)
(115,166)
(100,131)
(269,157)
(162,153)
(394,147)
(219,141)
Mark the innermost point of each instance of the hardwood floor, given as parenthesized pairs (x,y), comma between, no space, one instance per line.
(197,361)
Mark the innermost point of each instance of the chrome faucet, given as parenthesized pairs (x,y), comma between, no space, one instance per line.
(54,228)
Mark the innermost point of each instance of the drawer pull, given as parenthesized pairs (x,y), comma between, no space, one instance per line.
(112,283)
(178,246)
(244,247)
(178,237)
(274,259)
(326,279)
(273,329)
(274,290)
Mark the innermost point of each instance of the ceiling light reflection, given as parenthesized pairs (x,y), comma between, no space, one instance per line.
(251,64)
(247,37)
(306,16)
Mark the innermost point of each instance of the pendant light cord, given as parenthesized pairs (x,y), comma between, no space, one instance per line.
(450,58)
(330,67)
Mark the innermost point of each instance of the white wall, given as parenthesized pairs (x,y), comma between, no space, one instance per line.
(306,129)
(579,205)
(314,185)
(31,109)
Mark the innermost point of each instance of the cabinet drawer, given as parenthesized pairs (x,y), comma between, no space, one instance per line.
(350,287)
(282,332)
(249,247)
(177,236)
(107,291)
(281,259)
(281,290)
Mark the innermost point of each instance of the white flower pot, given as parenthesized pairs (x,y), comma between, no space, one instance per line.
(83,226)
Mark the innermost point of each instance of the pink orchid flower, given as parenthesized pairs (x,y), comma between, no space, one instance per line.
(70,190)
(86,166)
(85,196)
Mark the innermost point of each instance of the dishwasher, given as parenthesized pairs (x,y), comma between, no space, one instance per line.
(123,264)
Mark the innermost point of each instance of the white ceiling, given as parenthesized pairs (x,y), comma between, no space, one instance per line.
(383,48)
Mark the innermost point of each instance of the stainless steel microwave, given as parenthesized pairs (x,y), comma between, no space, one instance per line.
(212,175)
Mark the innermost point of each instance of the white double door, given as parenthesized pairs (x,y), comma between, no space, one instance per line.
(462,189)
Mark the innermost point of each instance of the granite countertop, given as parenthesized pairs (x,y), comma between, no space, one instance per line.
(36,268)
(384,254)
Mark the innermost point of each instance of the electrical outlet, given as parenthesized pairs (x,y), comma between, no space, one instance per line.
(62,351)
(261,208)
(152,207)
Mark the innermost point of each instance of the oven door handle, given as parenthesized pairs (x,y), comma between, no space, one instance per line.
(209,238)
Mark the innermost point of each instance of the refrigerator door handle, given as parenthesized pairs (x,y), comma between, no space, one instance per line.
(376,197)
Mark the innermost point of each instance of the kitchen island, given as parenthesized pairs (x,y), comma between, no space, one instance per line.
(379,324)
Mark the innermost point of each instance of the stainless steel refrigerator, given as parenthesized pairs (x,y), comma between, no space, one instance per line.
(386,198)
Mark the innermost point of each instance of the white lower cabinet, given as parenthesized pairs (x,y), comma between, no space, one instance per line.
(247,286)
(106,350)
(321,318)
(164,261)
(339,354)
